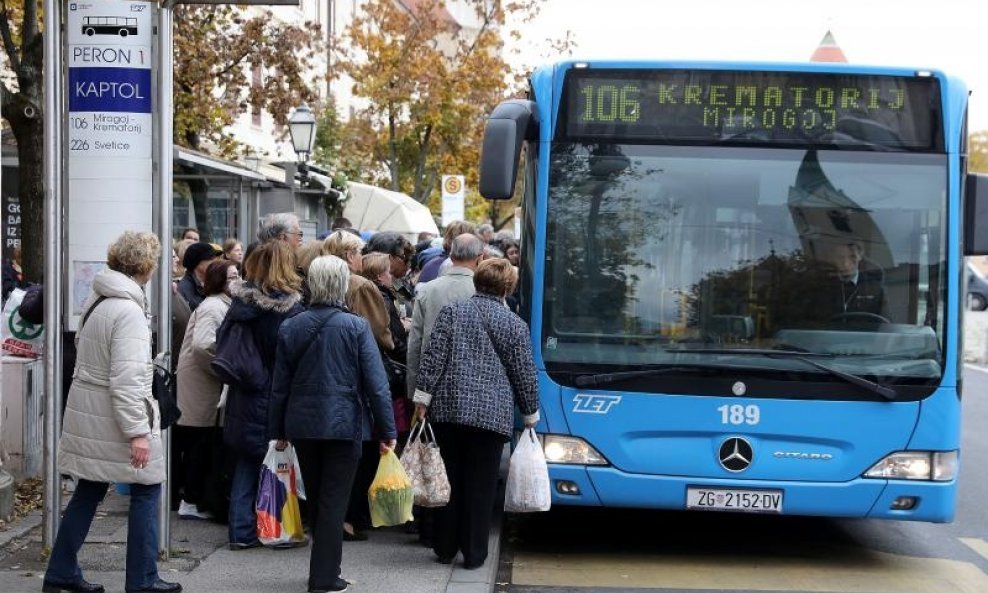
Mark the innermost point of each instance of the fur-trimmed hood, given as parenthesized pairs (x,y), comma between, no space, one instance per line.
(255,302)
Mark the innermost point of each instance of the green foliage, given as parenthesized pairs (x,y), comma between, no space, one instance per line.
(978,152)
(330,150)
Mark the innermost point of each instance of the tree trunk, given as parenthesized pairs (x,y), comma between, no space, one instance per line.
(393,150)
(29,133)
(200,204)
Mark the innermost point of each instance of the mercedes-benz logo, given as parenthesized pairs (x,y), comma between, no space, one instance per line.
(736,454)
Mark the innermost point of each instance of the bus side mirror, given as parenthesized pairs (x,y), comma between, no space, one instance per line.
(976,215)
(512,123)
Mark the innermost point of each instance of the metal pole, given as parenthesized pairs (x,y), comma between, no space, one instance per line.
(164,181)
(52,114)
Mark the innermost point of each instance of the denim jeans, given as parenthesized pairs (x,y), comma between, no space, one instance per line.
(243,498)
(142,534)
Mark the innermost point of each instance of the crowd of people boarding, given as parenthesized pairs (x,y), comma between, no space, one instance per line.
(349,339)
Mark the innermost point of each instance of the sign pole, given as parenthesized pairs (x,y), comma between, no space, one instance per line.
(54,89)
(163,182)
(453,196)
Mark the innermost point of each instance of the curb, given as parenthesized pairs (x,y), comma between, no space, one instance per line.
(483,580)
(20,528)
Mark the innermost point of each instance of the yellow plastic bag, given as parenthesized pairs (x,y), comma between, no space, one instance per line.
(390,495)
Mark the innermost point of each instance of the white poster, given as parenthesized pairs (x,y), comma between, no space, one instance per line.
(110,134)
(454,193)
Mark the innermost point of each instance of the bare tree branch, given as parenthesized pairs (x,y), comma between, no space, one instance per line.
(30,27)
(8,40)
(488,18)
(423,158)
(237,62)
(5,97)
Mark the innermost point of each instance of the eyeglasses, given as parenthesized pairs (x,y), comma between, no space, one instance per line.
(299,233)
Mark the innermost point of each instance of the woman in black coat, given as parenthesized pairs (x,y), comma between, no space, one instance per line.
(376,268)
(329,389)
(269,296)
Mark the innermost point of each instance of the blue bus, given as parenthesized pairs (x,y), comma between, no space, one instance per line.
(744,282)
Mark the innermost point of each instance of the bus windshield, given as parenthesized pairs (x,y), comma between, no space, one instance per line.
(657,253)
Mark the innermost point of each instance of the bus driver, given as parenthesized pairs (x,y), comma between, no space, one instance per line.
(859,285)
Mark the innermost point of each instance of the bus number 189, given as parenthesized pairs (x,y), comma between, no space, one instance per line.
(737,414)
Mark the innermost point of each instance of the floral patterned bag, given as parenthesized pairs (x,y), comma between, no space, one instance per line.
(425,468)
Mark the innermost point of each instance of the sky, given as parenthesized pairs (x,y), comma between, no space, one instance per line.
(947,35)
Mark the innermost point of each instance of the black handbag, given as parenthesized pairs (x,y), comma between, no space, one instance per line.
(396,373)
(164,388)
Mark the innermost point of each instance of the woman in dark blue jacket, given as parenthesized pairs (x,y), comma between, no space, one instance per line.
(269,296)
(329,389)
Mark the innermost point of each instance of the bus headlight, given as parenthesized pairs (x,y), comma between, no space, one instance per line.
(570,450)
(937,466)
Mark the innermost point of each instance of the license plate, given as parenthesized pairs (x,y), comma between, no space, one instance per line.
(730,499)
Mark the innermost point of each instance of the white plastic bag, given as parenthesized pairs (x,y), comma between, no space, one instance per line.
(20,337)
(527,490)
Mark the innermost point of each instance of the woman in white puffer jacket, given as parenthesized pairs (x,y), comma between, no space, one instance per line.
(111,430)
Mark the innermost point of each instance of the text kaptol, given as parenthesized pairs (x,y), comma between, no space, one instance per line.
(109,90)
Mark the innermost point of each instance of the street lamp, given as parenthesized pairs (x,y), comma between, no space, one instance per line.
(302,128)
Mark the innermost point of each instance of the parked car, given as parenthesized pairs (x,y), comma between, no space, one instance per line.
(977,290)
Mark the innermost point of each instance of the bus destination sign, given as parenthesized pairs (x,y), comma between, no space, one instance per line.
(778,108)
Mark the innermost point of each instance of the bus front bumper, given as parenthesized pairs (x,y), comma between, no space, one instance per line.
(872,498)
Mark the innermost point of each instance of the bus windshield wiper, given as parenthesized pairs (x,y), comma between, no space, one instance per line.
(807,358)
(603,378)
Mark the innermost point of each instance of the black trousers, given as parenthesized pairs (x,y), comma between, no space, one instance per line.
(358,507)
(328,468)
(195,450)
(472,457)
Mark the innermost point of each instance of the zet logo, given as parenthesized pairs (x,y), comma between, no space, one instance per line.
(594,404)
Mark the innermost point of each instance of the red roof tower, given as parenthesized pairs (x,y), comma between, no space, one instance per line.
(828,51)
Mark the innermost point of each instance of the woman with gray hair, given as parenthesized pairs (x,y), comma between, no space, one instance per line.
(328,374)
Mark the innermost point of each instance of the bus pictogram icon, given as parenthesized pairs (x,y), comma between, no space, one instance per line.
(109,25)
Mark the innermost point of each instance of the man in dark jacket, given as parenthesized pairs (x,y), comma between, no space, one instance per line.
(197,258)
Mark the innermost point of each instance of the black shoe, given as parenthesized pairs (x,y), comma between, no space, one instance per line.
(159,586)
(356,536)
(337,586)
(235,546)
(299,543)
(80,586)
(444,559)
(472,565)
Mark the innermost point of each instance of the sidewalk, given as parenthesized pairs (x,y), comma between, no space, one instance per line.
(390,560)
